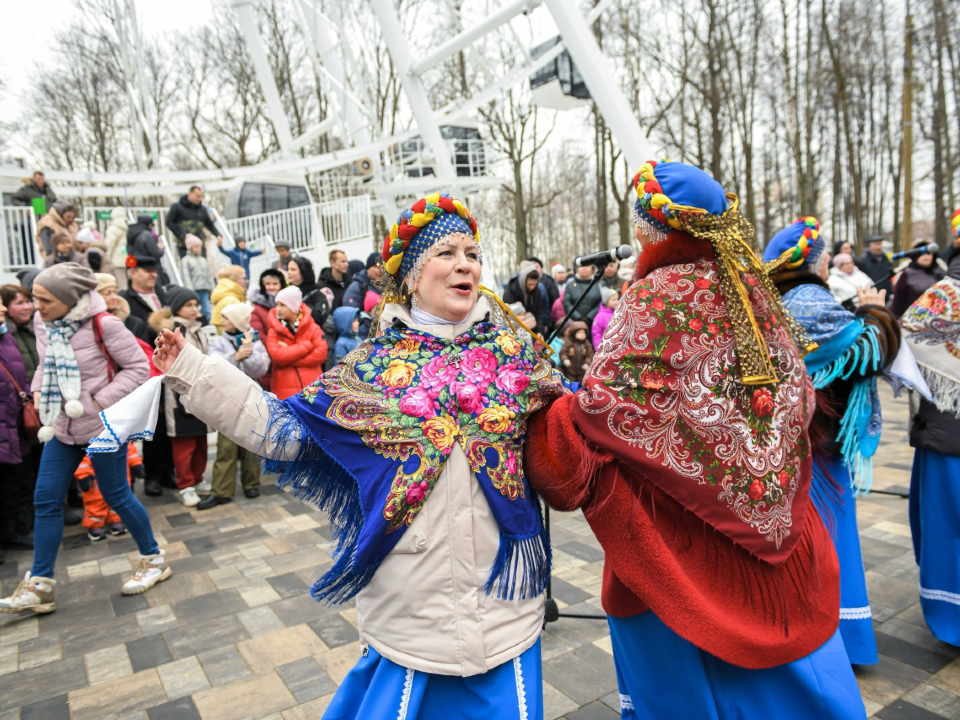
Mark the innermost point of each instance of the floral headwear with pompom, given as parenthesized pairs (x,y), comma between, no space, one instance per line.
(796,247)
(426,222)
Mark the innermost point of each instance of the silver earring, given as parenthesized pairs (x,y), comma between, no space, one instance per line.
(413,303)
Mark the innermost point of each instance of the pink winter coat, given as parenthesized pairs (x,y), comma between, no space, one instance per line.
(125,351)
(600,323)
(556,310)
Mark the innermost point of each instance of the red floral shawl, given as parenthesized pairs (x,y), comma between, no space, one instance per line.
(663,395)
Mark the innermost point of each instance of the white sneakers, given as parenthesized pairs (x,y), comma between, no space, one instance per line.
(152,569)
(204,487)
(33,593)
(189,497)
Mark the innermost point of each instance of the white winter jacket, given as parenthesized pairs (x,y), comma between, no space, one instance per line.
(116,237)
(424,609)
(844,287)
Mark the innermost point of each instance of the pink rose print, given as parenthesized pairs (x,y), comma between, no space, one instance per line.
(658,303)
(512,380)
(701,284)
(417,492)
(755,492)
(417,402)
(712,329)
(469,397)
(479,366)
(511,462)
(643,292)
(696,324)
(437,373)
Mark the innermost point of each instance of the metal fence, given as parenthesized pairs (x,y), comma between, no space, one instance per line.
(18,243)
(310,226)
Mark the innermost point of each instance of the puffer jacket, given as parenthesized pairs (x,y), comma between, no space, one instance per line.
(347,339)
(94,383)
(576,355)
(196,272)
(27,342)
(116,237)
(13,443)
(48,226)
(299,361)
(227,292)
(254,366)
(424,608)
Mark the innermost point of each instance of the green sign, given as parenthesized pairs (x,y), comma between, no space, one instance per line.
(39,206)
(104,214)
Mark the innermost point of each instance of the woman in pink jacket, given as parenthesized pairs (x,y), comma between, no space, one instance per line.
(88,361)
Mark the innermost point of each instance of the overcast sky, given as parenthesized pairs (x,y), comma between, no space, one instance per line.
(21,52)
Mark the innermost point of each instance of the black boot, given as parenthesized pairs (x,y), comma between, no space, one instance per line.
(211,501)
(151,487)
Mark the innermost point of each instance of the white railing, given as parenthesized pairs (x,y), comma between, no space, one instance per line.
(18,239)
(170,260)
(309,226)
(413,159)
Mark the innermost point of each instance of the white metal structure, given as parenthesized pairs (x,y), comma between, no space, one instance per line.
(145,141)
(402,165)
(18,243)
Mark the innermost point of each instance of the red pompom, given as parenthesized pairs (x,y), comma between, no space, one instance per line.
(131,261)
(446,204)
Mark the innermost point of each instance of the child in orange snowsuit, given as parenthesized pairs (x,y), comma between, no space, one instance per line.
(98,517)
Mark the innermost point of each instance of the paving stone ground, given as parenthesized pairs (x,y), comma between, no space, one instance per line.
(234,634)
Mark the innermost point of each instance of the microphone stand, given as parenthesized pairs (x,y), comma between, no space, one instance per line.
(596,278)
(551,612)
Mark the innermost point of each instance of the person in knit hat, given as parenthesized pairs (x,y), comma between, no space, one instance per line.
(188,435)
(296,344)
(244,349)
(88,362)
(64,251)
(197,274)
(284,251)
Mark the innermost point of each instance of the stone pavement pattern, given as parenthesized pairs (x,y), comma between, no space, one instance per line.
(234,634)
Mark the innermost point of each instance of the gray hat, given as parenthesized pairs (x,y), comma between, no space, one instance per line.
(238,238)
(281,243)
(67,282)
(26,278)
(606,293)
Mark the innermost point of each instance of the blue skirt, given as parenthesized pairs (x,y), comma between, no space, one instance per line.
(856,622)
(379,689)
(661,675)
(935,524)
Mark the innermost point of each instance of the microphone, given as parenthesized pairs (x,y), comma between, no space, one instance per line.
(605,257)
(916,252)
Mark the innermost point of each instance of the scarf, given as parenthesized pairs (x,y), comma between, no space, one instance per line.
(376,432)
(61,374)
(932,328)
(847,345)
(665,395)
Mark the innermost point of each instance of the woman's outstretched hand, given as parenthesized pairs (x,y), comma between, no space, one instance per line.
(169,344)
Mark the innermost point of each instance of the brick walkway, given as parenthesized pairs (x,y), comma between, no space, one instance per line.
(234,635)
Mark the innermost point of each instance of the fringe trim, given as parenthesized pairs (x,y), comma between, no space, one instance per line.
(318,478)
(527,558)
(945,390)
(826,494)
(863,357)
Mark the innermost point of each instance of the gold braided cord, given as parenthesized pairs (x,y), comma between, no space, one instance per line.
(772,266)
(733,242)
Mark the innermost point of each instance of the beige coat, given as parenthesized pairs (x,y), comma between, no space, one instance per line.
(115,238)
(424,608)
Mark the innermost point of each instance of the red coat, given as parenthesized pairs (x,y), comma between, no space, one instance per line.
(299,361)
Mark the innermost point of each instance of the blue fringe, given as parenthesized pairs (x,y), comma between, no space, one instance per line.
(826,494)
(533,554)
(318,478)
(861,468)
(864,356)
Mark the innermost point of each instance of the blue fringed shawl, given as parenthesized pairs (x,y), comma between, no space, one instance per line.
(847,347)
(376,431)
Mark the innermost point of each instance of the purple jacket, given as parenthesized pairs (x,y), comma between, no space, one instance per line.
(94,385)
(13,443)
(600,323)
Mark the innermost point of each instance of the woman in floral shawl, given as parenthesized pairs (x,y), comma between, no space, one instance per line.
(854,348)
(687,449)
(413,446)
(932,329)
